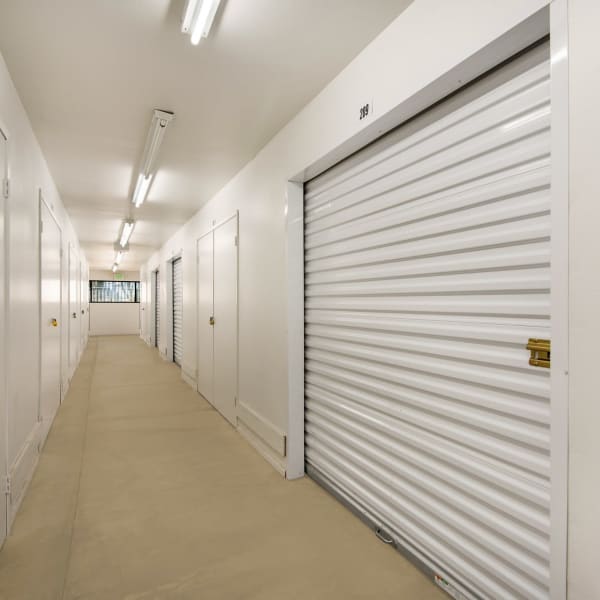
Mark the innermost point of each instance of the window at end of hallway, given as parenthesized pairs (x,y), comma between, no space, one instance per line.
(114,291)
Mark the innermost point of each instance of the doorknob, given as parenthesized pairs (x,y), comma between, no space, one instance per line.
(211,321)
(54,322)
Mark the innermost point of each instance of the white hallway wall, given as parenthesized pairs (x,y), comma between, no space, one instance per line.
(117,318)
(584,251)
(258,191)
(28,173)
(421,45)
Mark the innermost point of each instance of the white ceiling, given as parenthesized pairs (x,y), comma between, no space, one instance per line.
(89,73)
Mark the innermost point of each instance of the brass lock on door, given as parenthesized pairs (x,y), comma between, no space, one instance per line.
(54,322)
(540,353)
(211,321)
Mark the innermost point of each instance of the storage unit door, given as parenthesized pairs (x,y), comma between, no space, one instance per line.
(177,311)
(427,270)
(157,310)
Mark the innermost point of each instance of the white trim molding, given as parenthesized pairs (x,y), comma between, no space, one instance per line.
(262,428)
(559,376)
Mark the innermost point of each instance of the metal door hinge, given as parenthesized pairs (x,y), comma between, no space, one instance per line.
(7,486)
(5,187)
(236,240)
(41,226)
(540,353)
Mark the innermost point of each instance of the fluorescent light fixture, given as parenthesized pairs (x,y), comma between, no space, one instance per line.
(160,121)
(119,257)
(191,7)
(158,126)
(198,18)
(126,233)
(115,267)
(141,189)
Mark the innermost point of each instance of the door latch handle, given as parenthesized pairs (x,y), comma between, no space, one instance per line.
(540,353)
(384,536)
(211,321)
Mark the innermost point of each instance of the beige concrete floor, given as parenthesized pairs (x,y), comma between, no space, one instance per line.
(144,492)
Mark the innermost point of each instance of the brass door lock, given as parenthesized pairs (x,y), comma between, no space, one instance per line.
(211,321)
(540,353)
(54,322)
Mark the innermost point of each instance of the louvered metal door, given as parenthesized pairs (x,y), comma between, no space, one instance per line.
(157,309)
(177,311)
(427,268)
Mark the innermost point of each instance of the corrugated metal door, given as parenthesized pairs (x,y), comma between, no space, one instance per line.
(177,311)
(157,309)
(427,268)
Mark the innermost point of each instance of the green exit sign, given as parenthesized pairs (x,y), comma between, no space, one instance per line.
(118,275)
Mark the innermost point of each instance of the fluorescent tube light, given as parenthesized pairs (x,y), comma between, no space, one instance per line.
(191,9)
(141,189)
(198,18)
(115,267)
(160,121)
(119,257)
(158,126)
(126,233)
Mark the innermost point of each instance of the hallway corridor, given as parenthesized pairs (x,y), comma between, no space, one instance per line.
(143,492)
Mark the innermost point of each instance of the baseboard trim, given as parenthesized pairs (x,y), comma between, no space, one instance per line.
(22,470)
(191,381)
(262,428)
(45,426)
(276,461)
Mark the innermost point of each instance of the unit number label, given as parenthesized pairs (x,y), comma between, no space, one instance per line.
(365,111)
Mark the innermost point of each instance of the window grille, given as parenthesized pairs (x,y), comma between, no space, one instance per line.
(114,291)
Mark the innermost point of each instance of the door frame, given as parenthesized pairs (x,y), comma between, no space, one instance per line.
(153,336)
(170,337)
(83,306)
(4,318)
(215,225)
(42,201)
(197,279)
(551,19)
(71,249)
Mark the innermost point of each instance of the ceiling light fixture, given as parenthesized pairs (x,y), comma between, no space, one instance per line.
(126,232)
(160,121)
(198,18)
(141,189)
(119,257)
(115,267)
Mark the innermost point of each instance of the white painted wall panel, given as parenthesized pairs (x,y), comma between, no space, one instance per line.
(117,318)
(28,174)
(387,73)
(584,385)
(3,345)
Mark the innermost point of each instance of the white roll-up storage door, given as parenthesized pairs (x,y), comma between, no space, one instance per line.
(177,311)
(427,269)
(157,310)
